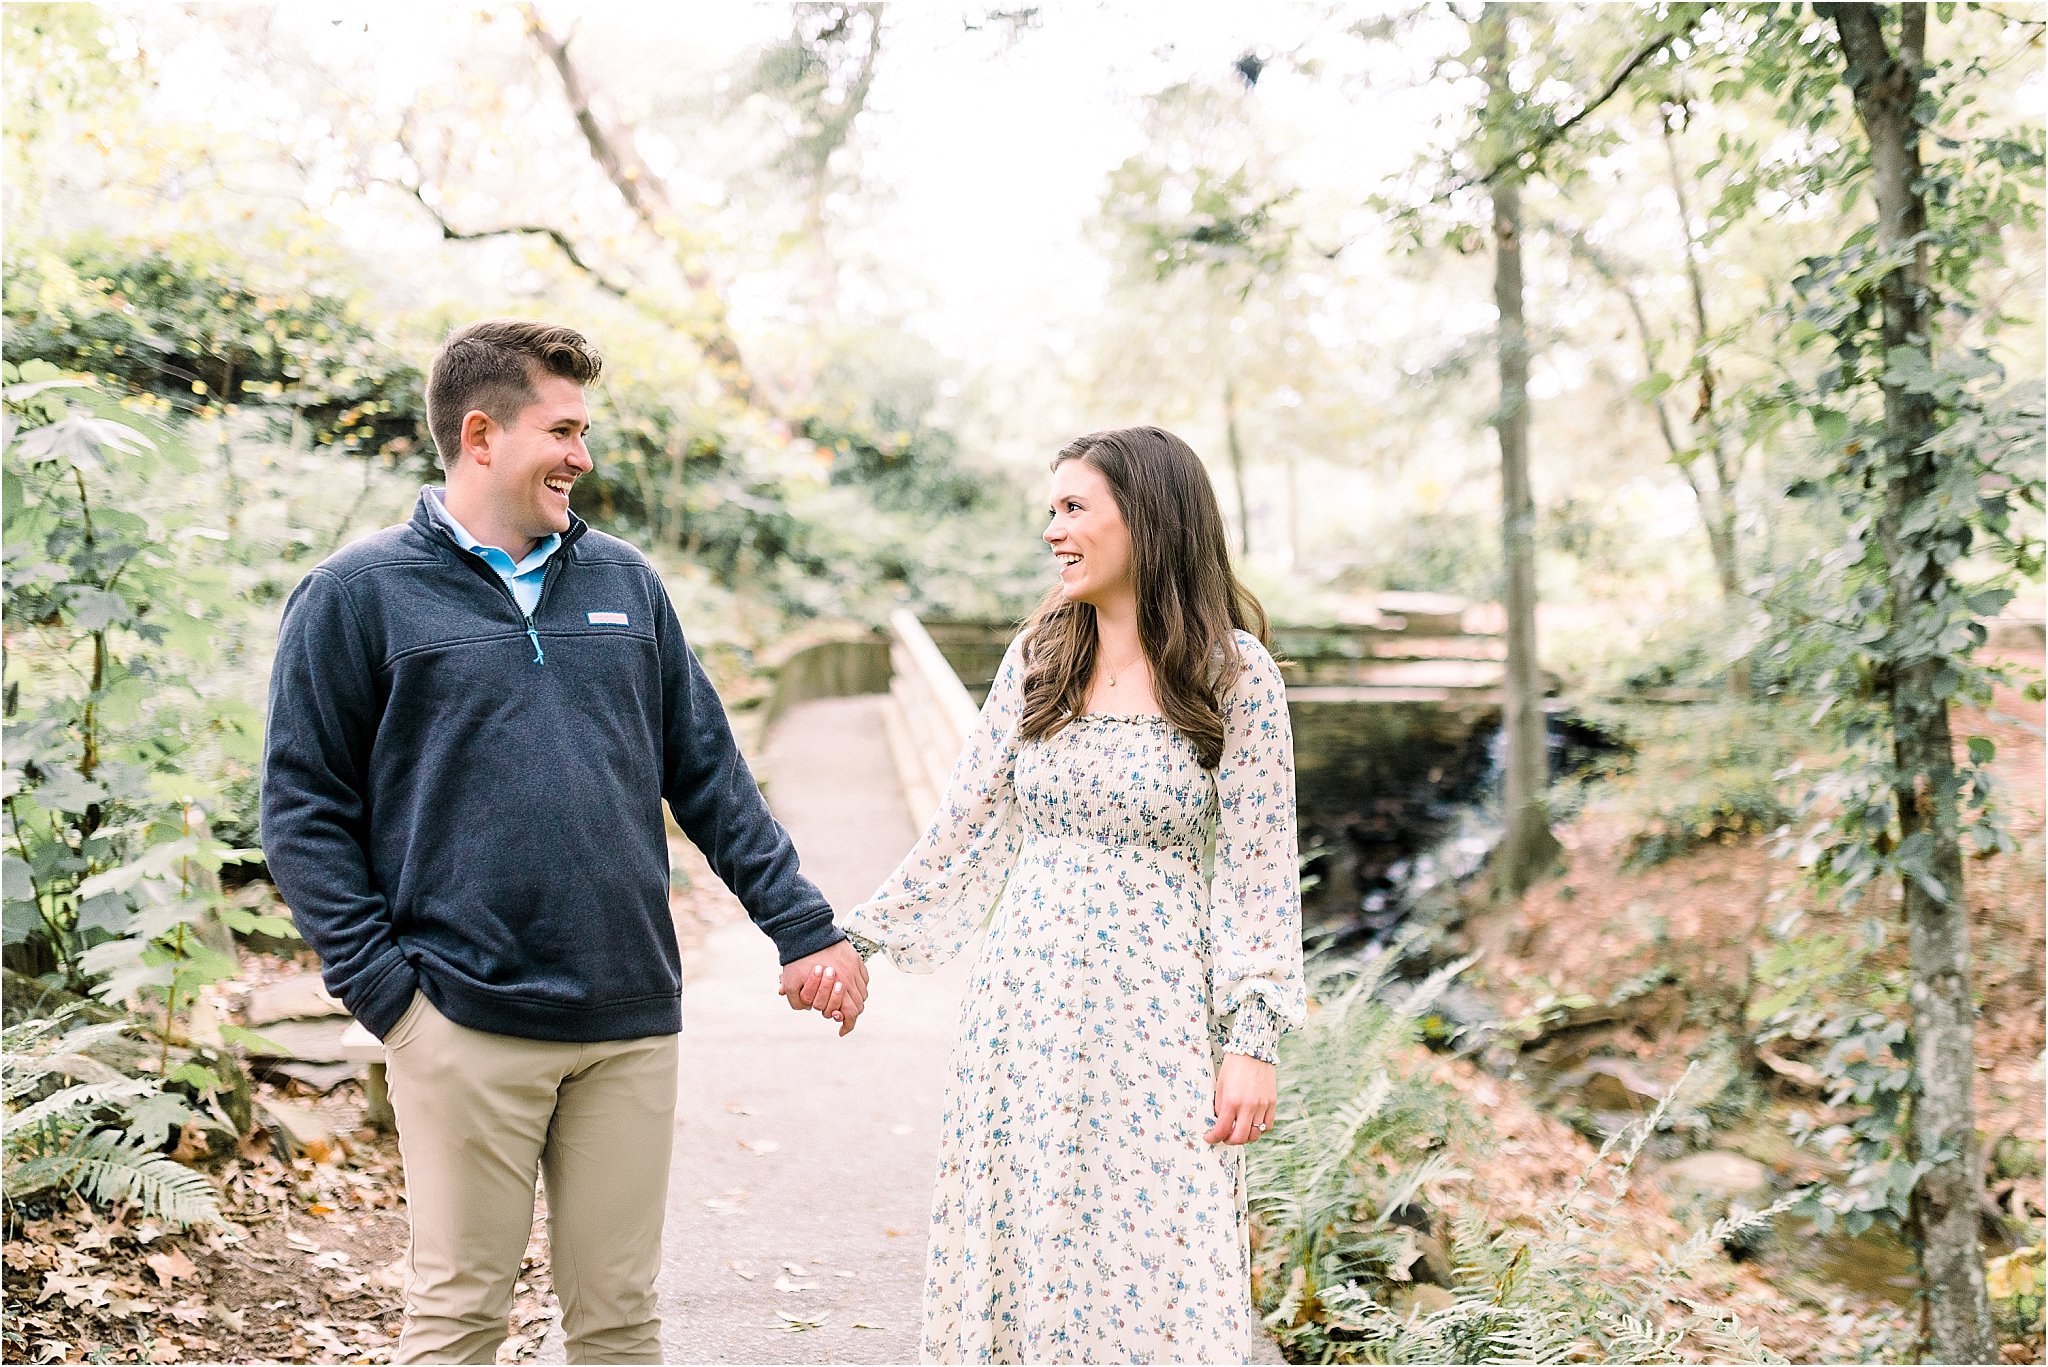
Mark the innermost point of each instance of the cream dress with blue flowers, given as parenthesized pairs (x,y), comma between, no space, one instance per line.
(1079,1214)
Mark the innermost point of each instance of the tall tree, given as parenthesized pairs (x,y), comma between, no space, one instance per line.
(1931,462)
(818,78)
(647,195)
(1700,444)
(1528,847)
(1525,131)
(1883,72)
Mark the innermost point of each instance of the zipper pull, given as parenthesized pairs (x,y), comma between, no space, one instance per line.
(540,656)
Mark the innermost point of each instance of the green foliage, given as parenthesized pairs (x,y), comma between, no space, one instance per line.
(1206,195)
(1431,552)
(1699,774)
(819,73)
(99,1137)
(1526,1295)
(1821,996)
(1533,1291)
(199,333)
(57,63)
(904,465)
(1342,1156)
(109,877)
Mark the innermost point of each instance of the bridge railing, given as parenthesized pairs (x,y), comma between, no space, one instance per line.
(832,668)
(932,716)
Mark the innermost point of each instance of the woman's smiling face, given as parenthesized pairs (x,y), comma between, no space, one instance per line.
(1088,536)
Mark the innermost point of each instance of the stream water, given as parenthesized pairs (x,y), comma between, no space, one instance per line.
(1396,808)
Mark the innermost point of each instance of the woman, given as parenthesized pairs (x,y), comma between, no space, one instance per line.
(1117,1037)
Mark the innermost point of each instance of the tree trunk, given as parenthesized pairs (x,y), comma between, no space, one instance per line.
(1956,1319)
(647,196)
(1717,511)
(1528,848)
(679,490)
(1244,503)
(1294,558)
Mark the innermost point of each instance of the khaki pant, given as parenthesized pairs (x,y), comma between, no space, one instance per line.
(478,1116)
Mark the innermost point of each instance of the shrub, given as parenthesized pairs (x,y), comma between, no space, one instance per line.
(199,333)
(99,1136)
(2018,1286)
(1336,1185)
(1341,1159)
(109,876)
(1701,774)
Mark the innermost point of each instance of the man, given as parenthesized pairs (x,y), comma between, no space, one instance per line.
(474,719)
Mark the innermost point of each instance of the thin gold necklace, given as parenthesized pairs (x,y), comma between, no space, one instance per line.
(1115,670)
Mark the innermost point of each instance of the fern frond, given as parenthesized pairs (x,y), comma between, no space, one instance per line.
(1435,1168)
(75,1103)
(107,1168)
(30,1060)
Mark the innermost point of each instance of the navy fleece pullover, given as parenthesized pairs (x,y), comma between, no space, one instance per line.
(464,800)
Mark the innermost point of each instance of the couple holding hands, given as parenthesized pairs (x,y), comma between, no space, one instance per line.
(474,720)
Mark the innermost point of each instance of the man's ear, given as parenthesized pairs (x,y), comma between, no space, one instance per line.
(476,436)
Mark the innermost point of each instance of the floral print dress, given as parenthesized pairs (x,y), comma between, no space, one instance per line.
(1147,920)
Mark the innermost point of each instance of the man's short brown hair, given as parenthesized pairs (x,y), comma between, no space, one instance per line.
(492,365)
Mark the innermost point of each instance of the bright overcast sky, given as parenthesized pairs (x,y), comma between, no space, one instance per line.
(989,157)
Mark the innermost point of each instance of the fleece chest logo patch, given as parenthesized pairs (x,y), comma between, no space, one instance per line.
(608,619)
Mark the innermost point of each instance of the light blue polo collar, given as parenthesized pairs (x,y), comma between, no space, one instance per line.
(498,559)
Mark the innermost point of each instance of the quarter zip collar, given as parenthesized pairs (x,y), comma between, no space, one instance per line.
(431,520)
(429,525)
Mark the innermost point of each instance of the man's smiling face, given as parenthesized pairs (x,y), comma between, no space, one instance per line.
(528,465)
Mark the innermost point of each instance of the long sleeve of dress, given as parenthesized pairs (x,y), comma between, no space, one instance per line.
(942,892)
(1255,888)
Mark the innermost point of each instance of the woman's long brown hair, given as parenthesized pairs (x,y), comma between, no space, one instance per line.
(1188,599)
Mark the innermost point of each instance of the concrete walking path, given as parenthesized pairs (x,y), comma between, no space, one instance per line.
(801,1190)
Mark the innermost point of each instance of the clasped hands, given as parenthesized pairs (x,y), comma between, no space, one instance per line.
(832,982)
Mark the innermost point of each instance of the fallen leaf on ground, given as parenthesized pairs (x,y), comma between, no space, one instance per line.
(863,1324)
(742,1271)
(170,1266)
(796,1324)
(192,1144)
(76,1291)
(789,1283)
(760,1145)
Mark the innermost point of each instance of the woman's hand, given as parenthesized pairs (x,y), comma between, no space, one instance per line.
(833,981)
(1246,1093)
